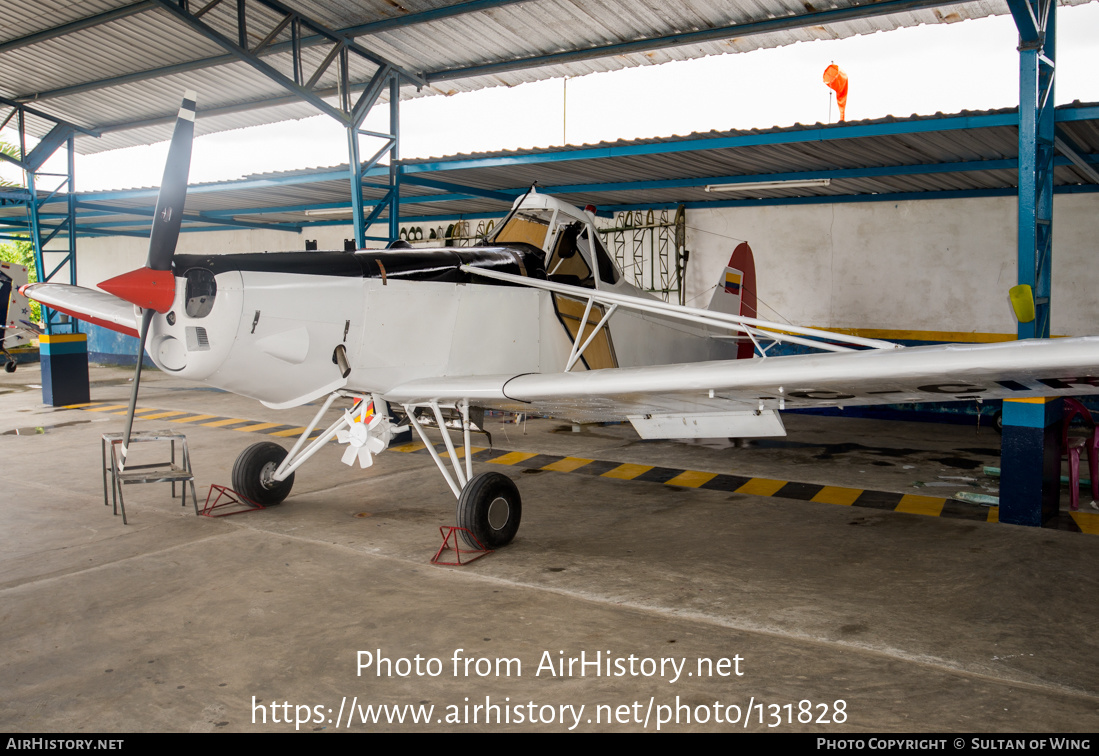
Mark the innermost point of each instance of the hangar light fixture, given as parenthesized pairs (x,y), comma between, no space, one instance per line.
(792,184)
(328,211)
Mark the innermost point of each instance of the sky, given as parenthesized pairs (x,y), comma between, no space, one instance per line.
(940,68)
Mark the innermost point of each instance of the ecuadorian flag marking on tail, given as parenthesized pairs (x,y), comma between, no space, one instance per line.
(733,278)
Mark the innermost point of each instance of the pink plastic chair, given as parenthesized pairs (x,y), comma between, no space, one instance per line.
(1072,445)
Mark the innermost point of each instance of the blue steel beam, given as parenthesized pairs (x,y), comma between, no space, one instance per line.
(198,217)
(509,195)
(839,199)
(23,108)
(767,26)
(1066,147)
(280,47)
(504,195)
(74,26)
(205,30)
(799,136)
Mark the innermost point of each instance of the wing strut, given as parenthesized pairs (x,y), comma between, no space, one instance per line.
(755,328)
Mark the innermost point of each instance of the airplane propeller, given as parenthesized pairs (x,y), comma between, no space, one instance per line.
(152,288)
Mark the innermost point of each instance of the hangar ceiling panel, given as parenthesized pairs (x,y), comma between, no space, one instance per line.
(118,66)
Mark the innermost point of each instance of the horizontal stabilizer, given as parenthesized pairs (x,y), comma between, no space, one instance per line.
(89,305)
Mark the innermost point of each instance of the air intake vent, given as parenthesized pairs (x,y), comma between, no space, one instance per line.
(197,340)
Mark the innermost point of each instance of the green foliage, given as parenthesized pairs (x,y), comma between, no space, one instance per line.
(8,149)
(22,253)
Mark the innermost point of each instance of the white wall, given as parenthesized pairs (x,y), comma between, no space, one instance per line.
(925,265)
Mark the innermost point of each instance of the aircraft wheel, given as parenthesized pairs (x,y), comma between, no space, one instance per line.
(253,470)
(490,508)
(9,367)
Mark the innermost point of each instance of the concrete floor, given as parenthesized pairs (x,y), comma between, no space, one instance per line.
(881,621)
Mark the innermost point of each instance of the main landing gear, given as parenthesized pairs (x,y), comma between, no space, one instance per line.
(489,505)
(254,471)
(490,508)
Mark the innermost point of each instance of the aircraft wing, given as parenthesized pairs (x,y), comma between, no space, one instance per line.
(89,305)
(660,399)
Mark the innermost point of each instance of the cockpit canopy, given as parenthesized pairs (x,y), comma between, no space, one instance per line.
(566,235)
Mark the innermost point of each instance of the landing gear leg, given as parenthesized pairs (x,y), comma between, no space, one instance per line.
(489,505)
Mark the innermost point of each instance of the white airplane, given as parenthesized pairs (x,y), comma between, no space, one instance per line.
(16,327)
(438,336)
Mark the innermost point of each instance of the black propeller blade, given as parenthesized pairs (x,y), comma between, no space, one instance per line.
(165,233)
(173,189)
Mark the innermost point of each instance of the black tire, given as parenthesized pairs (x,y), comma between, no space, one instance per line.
(998,421)
(253,465)
(9,367)
(490,508)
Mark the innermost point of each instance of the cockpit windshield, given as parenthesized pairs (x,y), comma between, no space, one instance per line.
(526,226)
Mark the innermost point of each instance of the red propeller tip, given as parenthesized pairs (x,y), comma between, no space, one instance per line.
(144,287)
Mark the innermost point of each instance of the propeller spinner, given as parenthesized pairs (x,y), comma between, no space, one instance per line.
(152,288)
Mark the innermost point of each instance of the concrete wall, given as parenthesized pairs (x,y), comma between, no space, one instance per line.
(926,265)
(932,269)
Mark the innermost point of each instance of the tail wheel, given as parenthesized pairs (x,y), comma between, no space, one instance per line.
(253,471)
(490,508)
(9,367)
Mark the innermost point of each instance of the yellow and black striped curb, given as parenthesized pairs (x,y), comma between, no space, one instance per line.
(195,418)
(933,506)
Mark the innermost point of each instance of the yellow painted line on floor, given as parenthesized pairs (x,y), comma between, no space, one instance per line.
(289,432)
(922,505)
(81,406)
(108,408)
(512,458)
(761,487)
(691,479)
(461,452)
(993,514)
(162,414)
(193,418)
(227,421)
(258,427)
(567,464)
(411,446)
(1088,521)
(138,411)
(627,471)
(837,495)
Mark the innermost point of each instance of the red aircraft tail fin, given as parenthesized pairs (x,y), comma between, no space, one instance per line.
(736,291)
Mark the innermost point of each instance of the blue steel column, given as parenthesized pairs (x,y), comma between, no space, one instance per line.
(1036,152)
(355,167)
(32,210)
(1030,454)
(71,210)
(394,160)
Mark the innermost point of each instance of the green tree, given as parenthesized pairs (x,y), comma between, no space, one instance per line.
(8,149)
(19,251)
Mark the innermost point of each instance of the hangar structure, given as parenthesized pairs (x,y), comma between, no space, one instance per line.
(262,61)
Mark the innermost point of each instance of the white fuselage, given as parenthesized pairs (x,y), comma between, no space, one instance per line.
(272,335)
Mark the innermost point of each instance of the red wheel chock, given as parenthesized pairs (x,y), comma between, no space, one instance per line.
(451,531)
(232,498)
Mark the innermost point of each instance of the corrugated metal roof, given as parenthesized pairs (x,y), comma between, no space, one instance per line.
(974,152)
(495,45)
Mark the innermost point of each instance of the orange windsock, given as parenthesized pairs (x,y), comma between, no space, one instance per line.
(836,79)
